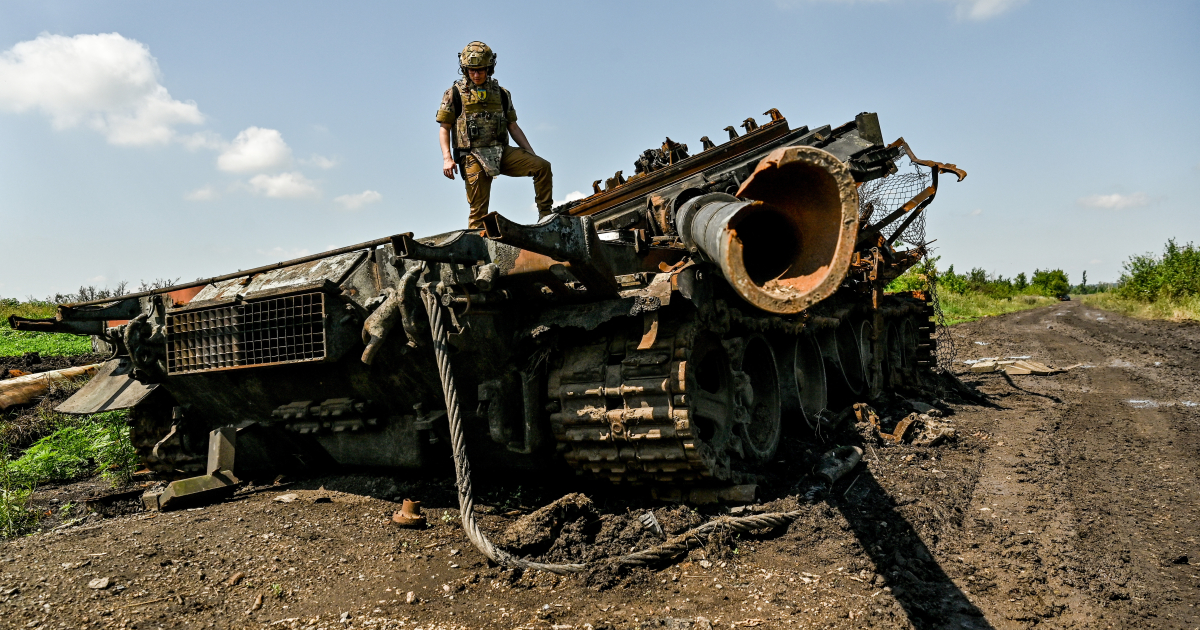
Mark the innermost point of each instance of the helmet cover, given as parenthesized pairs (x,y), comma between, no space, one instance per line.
(477,55)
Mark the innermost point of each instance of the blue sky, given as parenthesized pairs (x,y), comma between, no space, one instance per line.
(141,140)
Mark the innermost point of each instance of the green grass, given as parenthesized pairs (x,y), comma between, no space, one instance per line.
(80,446)
(16,343)
(15,516)
(1180,309)
(968,307)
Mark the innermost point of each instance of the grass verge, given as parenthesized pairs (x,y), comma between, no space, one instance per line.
(968,307)
(16,343)
(1181,309)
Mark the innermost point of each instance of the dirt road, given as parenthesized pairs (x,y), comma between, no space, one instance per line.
(1071,502)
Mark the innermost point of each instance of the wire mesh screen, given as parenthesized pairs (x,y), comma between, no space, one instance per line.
(945,352)
(881,197)
(280,330)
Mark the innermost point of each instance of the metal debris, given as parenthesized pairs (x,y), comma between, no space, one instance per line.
(649,521)
(410,515)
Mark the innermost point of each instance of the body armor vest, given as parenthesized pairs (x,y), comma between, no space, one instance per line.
(483,120)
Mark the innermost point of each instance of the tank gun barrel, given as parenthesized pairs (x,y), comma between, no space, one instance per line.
(784,241)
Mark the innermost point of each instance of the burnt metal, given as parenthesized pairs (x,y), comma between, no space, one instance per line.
(54,325)
(664,331)
(241,274)
(561,237)
(463,247)
(254,333)
(113,387)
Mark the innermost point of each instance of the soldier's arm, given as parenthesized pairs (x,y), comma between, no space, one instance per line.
(449,168)
(518,136)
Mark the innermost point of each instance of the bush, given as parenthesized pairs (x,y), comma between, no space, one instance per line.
(1050,283)
(1174,276)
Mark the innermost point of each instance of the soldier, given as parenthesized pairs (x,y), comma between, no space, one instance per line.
(477,118)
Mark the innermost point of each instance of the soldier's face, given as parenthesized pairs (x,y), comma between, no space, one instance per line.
(478,75)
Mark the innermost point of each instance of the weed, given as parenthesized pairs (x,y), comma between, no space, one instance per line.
(15,516)
(96,443)
(277,590)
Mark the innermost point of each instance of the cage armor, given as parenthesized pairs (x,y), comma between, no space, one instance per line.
(482,110)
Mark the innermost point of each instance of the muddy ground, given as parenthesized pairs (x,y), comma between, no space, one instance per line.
(1070,502)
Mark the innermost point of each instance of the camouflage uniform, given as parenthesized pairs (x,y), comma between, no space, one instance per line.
(481,133)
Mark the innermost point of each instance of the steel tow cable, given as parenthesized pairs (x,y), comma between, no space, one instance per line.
(669,549)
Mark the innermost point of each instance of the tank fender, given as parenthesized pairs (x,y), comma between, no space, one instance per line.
(113,387)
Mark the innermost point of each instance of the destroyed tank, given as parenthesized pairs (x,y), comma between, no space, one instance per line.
(665,331)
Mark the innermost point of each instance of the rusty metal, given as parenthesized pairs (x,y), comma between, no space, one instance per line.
(287,329)
(662,331)
(790,248)
(233,276)
(684,168)
(410,515)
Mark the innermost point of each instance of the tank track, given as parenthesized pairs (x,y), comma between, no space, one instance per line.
(630,415)
(625,413)
(182,455)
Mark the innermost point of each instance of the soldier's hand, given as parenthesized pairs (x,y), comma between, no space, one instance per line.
(449,168)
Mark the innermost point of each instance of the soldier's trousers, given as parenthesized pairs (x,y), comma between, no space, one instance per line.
(516,162)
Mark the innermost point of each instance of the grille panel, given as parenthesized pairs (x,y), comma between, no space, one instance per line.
(279,330)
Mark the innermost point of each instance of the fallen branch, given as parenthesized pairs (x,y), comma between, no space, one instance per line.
(23,389)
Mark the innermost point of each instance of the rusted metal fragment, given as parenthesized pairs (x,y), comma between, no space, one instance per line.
(113,387)
(410,515)
(24,389)
(331,268)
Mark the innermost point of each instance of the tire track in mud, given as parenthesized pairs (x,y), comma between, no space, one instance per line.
(1097,493)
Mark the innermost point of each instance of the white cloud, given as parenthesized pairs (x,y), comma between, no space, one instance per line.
(980,10)
(976,212)
(206,193)
(1115,201)
(255,149)
(571,196)
(320,162)
(358,200)
(105,81)
(284,186)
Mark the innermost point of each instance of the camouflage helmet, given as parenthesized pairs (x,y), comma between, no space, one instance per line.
(477,55)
